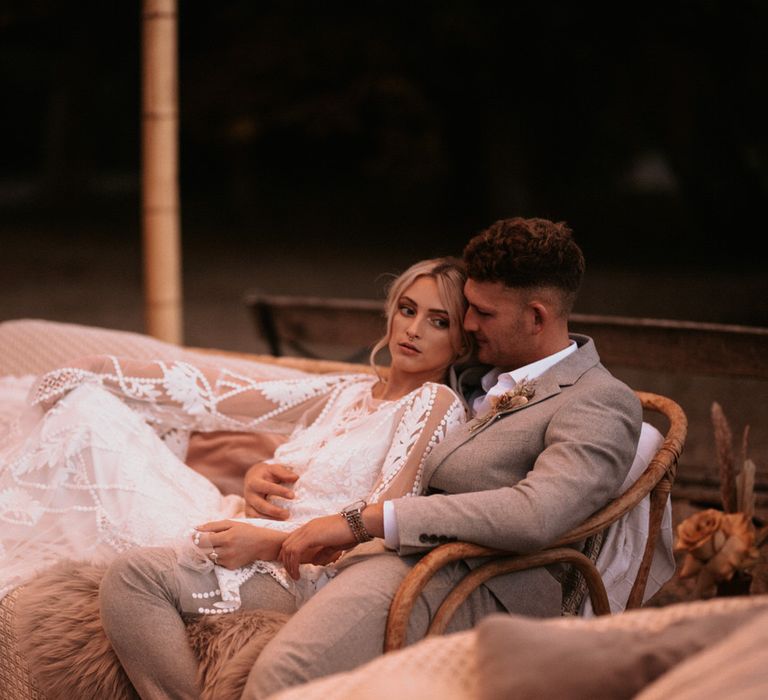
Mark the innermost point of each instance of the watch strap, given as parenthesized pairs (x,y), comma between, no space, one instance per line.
(354,518)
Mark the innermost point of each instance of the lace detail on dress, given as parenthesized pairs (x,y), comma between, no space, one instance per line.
(412,429)
(357,448)
(91,479)
(90,476)
(192,397)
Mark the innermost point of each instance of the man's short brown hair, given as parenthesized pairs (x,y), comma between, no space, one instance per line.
(527,253)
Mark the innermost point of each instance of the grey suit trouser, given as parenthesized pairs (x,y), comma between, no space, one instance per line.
(340,627)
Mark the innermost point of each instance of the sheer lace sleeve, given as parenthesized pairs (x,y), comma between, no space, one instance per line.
(430,414)
(194,397)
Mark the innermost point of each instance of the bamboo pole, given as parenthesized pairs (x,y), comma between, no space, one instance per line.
(160,187)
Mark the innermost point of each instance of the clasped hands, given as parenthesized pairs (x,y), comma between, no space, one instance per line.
(320,541)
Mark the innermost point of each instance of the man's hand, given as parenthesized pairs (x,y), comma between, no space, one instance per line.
(238,544)
(322,540)
(317,542)
(263,480)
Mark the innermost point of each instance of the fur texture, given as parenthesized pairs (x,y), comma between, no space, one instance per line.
(227,647)
(59,631)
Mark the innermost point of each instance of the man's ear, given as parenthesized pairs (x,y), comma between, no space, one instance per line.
(539,315)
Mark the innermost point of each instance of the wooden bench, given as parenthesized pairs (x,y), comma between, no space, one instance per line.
(301,324)
(298,322)
(346,329)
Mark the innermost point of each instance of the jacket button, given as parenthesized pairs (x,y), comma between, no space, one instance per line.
(423,538)
(433,538)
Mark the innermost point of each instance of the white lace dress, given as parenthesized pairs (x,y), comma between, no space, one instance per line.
(94,463)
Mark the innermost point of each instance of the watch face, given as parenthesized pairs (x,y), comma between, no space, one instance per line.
(356,506)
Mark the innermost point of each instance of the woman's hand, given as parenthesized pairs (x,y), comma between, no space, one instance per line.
(237,544)
(319,541)
(263,480)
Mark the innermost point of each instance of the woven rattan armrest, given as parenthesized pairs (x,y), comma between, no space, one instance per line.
(656,480)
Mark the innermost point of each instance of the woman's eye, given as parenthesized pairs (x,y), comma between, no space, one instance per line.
(442,323)
(406,310)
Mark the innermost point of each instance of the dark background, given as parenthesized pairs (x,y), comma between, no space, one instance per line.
(325,143)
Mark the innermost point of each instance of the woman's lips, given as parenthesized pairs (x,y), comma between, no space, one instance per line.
(409,349)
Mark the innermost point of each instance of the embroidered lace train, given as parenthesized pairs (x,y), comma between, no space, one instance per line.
(94,463)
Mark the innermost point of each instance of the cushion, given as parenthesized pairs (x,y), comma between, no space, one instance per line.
(15,681)
(467,666)
(524,658)
(437,668)
(735,669)
(624,542)
(32,346)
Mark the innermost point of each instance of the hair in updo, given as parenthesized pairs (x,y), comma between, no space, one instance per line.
(449,274)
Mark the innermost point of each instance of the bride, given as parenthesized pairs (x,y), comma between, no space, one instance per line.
(95,465)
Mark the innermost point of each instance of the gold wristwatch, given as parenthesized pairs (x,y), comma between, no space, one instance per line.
(353,514)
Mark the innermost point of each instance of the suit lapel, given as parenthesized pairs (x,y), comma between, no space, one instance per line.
(564,373)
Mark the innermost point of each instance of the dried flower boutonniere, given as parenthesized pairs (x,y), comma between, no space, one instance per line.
(519,396)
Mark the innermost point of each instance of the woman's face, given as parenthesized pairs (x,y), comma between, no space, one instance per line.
(421,341)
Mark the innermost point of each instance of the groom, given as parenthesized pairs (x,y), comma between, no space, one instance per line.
(514,480)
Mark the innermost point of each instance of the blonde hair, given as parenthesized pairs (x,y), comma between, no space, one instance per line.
(449,275)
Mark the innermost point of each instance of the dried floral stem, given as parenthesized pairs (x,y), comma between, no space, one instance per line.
(745,444)
(745,489)
(761,536)
(724,449)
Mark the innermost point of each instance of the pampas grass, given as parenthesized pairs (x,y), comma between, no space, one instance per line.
(724,454)
(737,487)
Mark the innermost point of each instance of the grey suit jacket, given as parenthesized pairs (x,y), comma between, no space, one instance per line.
(524,479)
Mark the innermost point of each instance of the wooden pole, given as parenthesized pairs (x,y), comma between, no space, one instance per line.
(160,186)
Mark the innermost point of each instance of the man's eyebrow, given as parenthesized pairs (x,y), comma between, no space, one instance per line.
(483,309)
(432,311)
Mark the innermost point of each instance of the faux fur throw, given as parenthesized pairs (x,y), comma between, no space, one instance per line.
(59,632)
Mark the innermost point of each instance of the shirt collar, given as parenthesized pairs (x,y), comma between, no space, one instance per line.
(495,382)
(536,369)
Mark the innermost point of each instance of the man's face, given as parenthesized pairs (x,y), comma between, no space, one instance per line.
(498,316)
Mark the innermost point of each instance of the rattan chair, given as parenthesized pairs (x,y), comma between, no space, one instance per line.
(657,481)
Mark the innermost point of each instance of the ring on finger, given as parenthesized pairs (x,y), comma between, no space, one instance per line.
(213,556)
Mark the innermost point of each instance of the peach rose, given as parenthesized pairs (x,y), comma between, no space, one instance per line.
(738,551)
(695,533)
(716,545)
